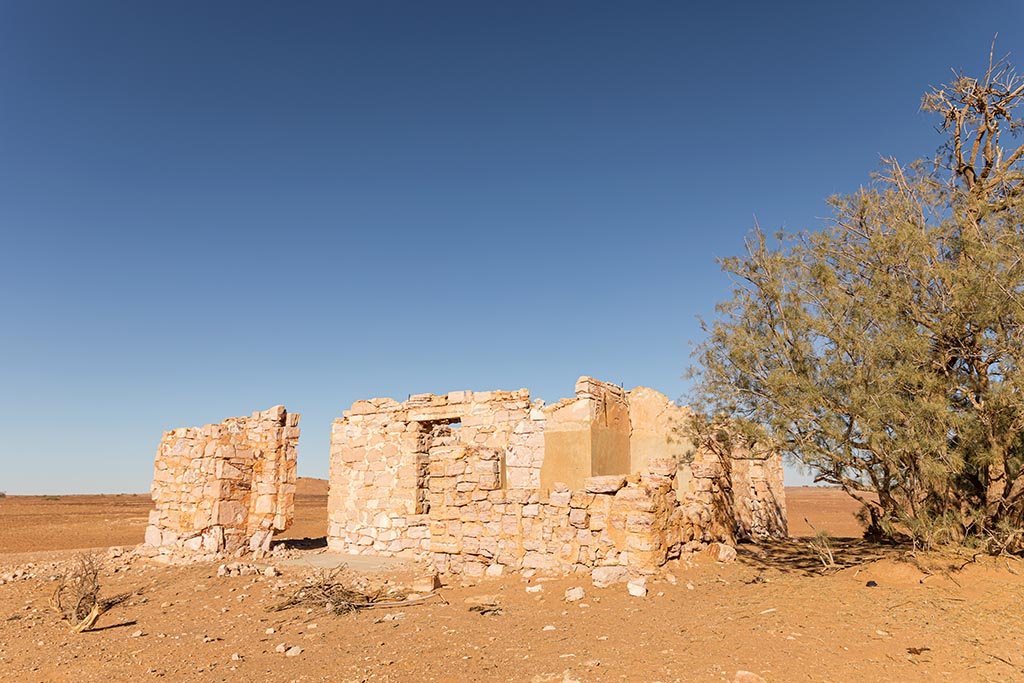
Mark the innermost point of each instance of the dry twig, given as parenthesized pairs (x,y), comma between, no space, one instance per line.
(77,595)
(331,591)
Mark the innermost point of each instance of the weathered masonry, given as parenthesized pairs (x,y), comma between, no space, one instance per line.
(224,487)
(607,482)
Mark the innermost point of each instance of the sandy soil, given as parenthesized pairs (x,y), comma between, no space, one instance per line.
(774,612)
(30,523)
(813,508)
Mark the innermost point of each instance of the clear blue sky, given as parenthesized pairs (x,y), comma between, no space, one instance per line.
(209,208)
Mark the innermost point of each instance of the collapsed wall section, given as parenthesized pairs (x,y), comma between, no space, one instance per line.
(227,486)
(608,481)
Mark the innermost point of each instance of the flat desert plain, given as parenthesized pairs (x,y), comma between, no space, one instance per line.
(882,614)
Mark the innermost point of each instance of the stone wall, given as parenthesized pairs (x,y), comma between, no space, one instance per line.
(227,486)
(380,457)
(615,526)
(586,436)
(608,481)
(758,496)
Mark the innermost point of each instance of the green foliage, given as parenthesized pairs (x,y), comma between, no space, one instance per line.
(885,351)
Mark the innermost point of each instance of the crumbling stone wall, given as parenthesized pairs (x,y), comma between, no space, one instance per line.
(380,456)
(758,495)
(586,436)
(613,527)
(609,481)
(222,487)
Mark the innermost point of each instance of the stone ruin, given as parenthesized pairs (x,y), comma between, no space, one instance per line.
(608,482)
(224,487)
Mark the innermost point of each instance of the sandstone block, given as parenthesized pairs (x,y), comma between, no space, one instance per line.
(602,577)
(604,484)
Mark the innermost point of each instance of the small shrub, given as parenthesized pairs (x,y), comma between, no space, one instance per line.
(337,593)
(821,544)
(77,596)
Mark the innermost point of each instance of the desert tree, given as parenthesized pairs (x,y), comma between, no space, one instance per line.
(884,351)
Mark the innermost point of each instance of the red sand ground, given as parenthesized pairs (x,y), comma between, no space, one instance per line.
(774,612)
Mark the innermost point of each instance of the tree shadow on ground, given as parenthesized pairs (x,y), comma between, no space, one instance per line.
(301,543)
(803,555)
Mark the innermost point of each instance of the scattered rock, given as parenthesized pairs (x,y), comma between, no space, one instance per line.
(637,587)
(138,634)
(747,677)
(426,583)
(721,552)
(483,600)
(574,594)
(534,589)
(293,651)
(236,657)
(549,627)
(391,616)
(281,648)
(243,569)
(602,577)
(270,631)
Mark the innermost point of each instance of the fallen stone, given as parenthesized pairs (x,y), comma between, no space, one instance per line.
(637,587)
(747,677)
(574,594)
(482,600)
(602,577)
(426,583)
(721,552)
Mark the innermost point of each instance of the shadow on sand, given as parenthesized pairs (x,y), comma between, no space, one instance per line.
(301,543)
(802,555)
